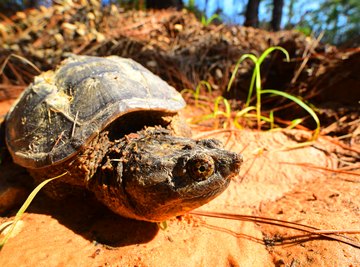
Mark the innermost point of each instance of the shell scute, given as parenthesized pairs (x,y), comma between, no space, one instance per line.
(62,110)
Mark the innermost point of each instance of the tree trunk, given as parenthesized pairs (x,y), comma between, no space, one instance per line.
(288,24)
(31,3)
(252,13)
(277,15)
(160,4)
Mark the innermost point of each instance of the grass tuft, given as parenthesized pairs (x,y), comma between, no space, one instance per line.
(206,21)
(222,107)
(23,208)
(196,93)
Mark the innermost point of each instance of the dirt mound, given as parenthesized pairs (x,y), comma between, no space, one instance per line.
(191,51)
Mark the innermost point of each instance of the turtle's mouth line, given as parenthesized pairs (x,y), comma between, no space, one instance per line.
(204,189)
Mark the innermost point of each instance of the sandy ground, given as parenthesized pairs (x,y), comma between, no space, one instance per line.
(272,183)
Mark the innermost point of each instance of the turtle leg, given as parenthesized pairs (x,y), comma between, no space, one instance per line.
(76,171)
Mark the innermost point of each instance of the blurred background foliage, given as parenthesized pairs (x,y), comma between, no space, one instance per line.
(338,19)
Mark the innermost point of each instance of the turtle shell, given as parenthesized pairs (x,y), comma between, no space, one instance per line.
(62,110)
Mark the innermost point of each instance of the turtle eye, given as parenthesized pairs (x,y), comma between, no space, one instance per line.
(200,167)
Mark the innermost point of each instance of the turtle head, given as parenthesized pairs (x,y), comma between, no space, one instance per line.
(160,176)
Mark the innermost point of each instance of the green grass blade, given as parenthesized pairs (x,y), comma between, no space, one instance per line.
(25,206)
(198,87)
(270,50)
(244,111)
(203,20)
(240,114)
(295,123)
(301,104)
(196,93)
(227,107)
(258,93)
(263,118)
(216,105)
(258,77)
(271,117)
(217,112)
(186,91)
(251,88)
(242,58)
(206,22)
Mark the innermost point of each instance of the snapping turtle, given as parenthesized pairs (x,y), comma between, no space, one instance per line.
(112,126)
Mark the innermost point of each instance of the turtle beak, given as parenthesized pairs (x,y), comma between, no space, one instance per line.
(237,160)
